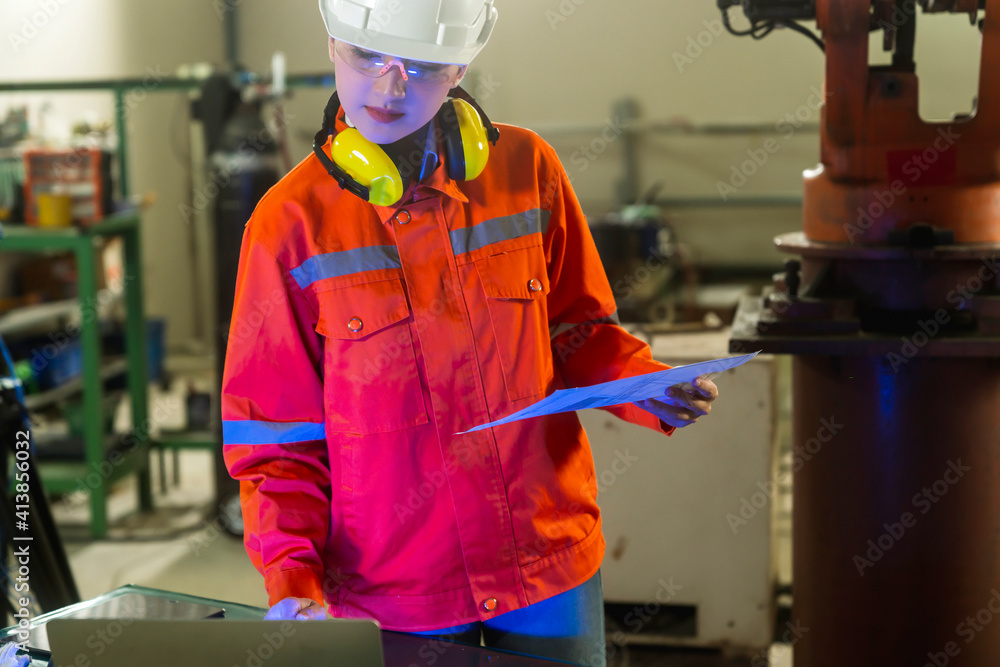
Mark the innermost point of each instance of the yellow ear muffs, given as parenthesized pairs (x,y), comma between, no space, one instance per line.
(367,163)
(467,147)
(362,168)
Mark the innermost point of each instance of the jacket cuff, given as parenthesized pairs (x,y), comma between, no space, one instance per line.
(649,420)
(300,582)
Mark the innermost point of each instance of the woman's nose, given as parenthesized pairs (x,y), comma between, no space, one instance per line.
(392,83)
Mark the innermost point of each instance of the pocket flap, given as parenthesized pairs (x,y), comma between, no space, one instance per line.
(518,274)
(357,311)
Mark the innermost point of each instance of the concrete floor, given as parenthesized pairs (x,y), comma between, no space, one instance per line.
(176,549)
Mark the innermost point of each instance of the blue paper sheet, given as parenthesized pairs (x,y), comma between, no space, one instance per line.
(618,392)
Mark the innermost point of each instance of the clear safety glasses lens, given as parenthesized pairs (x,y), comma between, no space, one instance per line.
(375,64)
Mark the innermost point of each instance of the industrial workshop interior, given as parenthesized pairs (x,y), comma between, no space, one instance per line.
(403,333)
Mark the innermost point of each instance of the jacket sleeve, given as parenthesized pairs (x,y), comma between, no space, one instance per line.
(273,425)
(588,345)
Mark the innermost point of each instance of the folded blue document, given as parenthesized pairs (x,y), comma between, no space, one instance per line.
(618,392)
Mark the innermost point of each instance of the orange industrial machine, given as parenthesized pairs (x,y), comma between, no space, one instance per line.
(892,314)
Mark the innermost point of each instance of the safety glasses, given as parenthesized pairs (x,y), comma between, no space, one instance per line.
(375,64)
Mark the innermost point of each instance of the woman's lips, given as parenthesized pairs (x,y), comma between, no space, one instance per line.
(383,116)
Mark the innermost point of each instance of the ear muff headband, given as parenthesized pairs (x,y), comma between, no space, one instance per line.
(363,168)
(492,133)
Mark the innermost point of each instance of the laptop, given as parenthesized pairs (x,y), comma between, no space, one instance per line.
(129,605)
(336,642)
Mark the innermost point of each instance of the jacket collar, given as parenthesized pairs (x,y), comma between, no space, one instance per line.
(437,180)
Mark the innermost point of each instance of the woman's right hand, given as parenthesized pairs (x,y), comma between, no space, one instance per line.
(297,609)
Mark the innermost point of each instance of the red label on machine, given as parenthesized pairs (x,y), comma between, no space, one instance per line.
(923,167)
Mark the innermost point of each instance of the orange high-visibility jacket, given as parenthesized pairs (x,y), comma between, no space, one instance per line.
(364,337)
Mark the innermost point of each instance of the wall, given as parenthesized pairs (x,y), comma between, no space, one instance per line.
(68,40)
(555,65)
(552,65)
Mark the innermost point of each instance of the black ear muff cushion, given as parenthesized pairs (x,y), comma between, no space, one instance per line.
(453,150)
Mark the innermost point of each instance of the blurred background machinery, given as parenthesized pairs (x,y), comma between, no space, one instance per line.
(891,314)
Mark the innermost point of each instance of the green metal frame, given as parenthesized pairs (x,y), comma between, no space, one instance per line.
(67,477)
(62,477)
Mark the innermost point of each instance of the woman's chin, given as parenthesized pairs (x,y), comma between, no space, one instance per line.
(384,133)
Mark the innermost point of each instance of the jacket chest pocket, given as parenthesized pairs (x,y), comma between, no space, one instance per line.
(516,284)
(371,382)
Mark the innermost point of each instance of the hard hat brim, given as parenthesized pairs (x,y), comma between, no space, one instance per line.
(402,47)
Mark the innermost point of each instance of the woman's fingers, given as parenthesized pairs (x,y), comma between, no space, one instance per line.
(706,388)
(312,611)
(283,610)
(670,412)
(682,404)
(688,400)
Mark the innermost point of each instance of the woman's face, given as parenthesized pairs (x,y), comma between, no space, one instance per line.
(387,107)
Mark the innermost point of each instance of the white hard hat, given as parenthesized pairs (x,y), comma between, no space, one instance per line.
(442,31)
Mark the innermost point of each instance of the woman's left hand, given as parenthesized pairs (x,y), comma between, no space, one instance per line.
(683,403)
